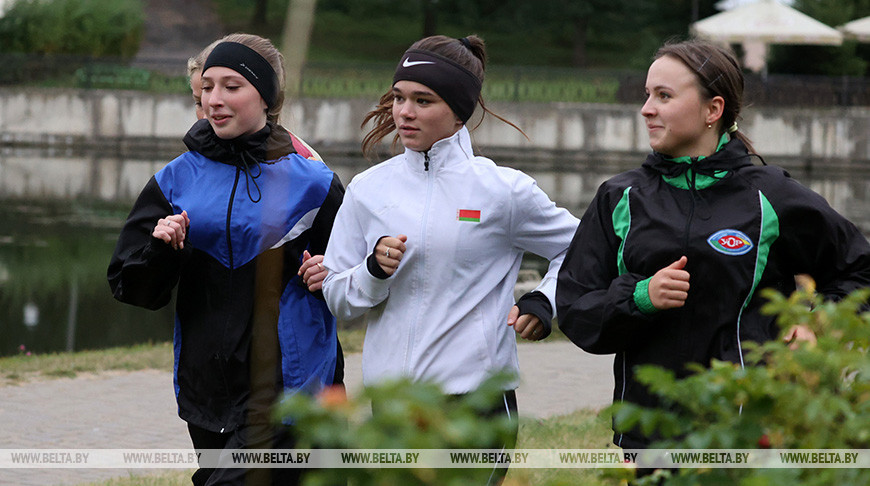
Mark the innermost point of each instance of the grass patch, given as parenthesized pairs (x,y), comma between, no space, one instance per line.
(583,429)
(352,339)
(180,477)
(21,369)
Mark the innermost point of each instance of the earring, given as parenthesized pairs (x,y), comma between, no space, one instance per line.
(709,125)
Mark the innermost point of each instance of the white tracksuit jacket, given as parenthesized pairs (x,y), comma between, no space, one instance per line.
(441,317)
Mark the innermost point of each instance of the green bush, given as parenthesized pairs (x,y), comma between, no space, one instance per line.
(81,27)
(409,416)
(816,396)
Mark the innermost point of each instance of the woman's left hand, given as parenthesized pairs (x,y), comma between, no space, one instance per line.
(312,271)
(797,334)
(528,326)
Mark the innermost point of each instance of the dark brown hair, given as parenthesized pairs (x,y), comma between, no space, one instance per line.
(470,54)
(718,74)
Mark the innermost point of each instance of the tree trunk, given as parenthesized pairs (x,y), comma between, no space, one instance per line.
(295,40)
(579,55)
(430,17)
(260,15)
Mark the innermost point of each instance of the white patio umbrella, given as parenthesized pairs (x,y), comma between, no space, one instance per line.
(858,30)
(757,25)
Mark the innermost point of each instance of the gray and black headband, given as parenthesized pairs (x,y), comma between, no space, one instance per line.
(250,64)
(456,85)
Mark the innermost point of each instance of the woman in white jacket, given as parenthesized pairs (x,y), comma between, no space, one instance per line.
(430,241)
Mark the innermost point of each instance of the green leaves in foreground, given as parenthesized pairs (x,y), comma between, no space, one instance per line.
(799,396)
(406,416)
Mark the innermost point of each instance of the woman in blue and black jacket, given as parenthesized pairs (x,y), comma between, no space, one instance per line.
(667,264)
(229,224)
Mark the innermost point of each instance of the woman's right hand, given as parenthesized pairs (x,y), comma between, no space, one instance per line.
(669,287)
(172,229)
(389,252)
(312,271)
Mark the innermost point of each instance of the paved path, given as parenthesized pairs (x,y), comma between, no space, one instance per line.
(137,409)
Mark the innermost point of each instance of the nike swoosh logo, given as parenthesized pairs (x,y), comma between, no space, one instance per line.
(409,63)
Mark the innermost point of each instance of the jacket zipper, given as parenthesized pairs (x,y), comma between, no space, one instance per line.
(422,263)
(229,218)
(222,356)
(690,182)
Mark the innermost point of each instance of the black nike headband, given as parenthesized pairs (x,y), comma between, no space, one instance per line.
(250,64)
(457,86)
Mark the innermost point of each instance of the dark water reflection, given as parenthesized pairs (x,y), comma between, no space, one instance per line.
(60,217)
(53,290)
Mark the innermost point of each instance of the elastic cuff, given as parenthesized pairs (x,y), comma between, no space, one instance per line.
(641,297)
(538,305)
(157,248)
(373,266)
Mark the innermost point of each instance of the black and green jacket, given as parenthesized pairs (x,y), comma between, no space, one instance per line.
(742,227)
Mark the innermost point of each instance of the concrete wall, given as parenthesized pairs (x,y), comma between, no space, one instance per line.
(567,130)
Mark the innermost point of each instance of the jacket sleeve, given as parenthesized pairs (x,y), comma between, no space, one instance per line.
(350,289)
(143,269)
(821,242)
(539,226)
(596,304)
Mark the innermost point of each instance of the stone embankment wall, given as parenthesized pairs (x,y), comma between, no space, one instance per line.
(105,144)
(62,117)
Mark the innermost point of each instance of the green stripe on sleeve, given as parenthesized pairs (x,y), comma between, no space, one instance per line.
(769,234)
(766,237)
(621,225)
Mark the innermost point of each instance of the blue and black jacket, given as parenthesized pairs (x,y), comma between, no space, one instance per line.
(742,227)
(246,327)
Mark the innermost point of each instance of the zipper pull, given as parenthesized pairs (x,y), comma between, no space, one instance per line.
(426,161)
(692,170)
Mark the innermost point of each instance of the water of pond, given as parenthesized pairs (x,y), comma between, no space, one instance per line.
(53,290)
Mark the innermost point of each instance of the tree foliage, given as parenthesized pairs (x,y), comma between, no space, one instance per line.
(84,27)
(582,33)
(614,34)
(849,59)
(409,416)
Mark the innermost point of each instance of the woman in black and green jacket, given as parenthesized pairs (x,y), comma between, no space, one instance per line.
(668,261)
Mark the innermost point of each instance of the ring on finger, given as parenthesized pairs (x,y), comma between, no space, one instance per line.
(387,253)
(320,266)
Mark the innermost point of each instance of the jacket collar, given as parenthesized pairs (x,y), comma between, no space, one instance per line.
(444,153)
(730,156)
(270,143)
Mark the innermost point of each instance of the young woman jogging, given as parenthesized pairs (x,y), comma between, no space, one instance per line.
(667,266)
(429,242)
(228,224)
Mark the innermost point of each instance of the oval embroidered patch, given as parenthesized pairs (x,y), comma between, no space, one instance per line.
(730,242)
